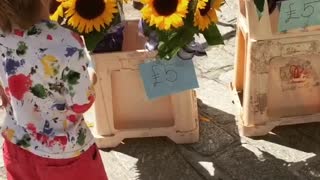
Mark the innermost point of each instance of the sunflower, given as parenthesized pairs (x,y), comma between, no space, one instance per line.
(56,10)
(86,15)
(164,14)
(206,14)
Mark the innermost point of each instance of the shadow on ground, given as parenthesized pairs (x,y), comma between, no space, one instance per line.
(289,152)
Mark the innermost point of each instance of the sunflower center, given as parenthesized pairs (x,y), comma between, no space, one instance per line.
(165,7)
(90,9)
(206,9)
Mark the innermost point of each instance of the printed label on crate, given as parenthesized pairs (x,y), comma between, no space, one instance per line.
(163,77)
(299,14)
(298,74)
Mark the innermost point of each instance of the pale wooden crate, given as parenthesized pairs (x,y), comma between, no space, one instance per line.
(122,109)
(267,26)
(277,81)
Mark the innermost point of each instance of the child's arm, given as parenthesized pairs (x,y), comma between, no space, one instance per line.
(4,98)
(93,76)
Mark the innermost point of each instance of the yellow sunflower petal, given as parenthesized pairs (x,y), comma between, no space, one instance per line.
(164,21)
(145,1)
(176,21)
(203,21)
(85,25)
(213,15)
(58,13)
(217,4)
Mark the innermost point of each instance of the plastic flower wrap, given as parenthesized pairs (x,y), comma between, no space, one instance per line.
(91,18)
(173,23)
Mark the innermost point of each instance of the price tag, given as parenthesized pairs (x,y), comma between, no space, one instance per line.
(299,14)
(163,77)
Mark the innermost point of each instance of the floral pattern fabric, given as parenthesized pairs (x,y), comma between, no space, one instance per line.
(44,71)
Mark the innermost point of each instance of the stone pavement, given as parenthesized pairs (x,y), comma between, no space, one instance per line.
(289,152)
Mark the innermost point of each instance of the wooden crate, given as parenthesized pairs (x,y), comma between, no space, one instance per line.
(277,79)
(122,109)
(267,26)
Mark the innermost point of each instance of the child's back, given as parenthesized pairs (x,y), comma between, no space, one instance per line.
(44,73)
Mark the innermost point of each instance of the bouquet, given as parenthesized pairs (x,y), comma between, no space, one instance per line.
(175,22)
(93,19)
(172,23)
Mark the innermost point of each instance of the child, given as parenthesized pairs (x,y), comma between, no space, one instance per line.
(46,89)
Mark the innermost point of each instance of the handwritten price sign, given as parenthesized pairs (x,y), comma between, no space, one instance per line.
(162,78)
(299,14)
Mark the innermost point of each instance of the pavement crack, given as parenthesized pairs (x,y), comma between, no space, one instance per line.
(232,25)
(229,35)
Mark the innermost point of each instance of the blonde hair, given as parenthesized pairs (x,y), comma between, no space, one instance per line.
(21,13)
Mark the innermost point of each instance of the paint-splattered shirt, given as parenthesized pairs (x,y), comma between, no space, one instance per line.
(44,71)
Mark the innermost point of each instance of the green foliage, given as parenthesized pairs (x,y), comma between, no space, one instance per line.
(171,42)
(260,6)
(213,36)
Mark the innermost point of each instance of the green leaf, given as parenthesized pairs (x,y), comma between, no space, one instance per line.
(213,36)
(92,39)
(260,6)
(172,41)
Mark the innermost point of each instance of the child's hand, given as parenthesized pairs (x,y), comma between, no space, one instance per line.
(93,76)
(4,98)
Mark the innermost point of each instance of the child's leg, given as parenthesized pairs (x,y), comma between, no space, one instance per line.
(88,166)
(18,163)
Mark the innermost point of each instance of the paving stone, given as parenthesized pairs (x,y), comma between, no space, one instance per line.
(311,169)
(212,139)
(227,77)
(217,59)
(311,130)
(217,73)
(246,162)
(218,116)
(286,143)
(227,30)
(153,159)
(215,95)
(232,129)
(230,10)
(230,46)
(295,139)
(119,165)
(203,164)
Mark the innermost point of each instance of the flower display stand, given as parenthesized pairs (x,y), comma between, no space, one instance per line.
(277,75)
(122,110)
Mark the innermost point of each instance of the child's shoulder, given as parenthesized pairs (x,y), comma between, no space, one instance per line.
(44,33)
(62,34)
